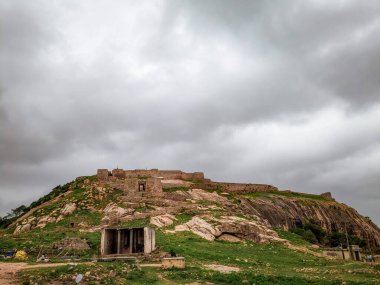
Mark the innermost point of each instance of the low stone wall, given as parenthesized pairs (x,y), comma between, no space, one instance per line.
(103,174)
(173,262)
(337,254)
(120,174)
(238,188)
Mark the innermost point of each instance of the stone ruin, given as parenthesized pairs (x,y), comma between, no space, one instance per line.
(353,252)
(142,182)
(119,241)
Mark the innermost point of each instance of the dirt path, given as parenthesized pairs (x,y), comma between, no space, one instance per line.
(222,268)
(8,270)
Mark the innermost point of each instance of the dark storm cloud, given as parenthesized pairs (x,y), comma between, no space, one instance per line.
(275,92)
(337,41)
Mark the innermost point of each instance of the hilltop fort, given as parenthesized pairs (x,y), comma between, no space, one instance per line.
(150,182)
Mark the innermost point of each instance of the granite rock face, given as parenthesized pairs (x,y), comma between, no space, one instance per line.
(229,228)
(286,212)
(217,210)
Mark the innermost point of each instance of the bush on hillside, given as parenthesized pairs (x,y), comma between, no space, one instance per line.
(21,210)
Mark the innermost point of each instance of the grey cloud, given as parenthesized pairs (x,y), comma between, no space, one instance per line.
(298,30)
(237,89)
(353,71)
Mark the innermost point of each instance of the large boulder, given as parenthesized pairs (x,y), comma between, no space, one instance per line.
(230,228)
(247,229)
(229,238)
(22,228)
(68,209)
(113,210)
(200,227)
(112,213)
(200,194)
(162,220)
(43,221)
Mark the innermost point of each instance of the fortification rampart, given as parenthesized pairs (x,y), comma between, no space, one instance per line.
(104,174)
(236,188)
(132,181)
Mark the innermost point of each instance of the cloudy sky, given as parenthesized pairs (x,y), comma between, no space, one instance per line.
(279,92)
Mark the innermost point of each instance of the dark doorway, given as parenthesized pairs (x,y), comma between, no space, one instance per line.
(111,241)
(126,241)
(138,240)
(141,186)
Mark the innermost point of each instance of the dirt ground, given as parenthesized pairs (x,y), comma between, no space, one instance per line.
(222,268)
(8,270)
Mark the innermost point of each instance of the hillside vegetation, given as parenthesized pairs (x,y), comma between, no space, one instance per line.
(280,252)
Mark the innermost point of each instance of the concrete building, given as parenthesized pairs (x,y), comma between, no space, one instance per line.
(353,253)
(119,241)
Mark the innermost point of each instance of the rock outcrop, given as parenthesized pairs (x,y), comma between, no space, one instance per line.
(200,227)
(286,212)
(216,208)
(22,228)
(162,220)
(212,228)
(114,210)
(68,209)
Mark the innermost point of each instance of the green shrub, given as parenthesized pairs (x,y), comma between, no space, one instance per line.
(317,230)
(172,252)
(310,237)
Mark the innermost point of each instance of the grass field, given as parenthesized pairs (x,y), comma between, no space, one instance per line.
(258,264)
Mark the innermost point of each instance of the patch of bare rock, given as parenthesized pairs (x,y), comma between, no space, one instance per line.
(69,209)
(222,268)
(41,222)
(229,238)
(200,194)
(229,228)
(163,220)
(112,211)
(195,195)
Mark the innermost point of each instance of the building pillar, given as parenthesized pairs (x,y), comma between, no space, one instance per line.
(118,241)
(131,241)
(103,243)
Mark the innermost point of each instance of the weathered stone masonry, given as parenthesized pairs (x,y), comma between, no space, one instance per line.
(148,182)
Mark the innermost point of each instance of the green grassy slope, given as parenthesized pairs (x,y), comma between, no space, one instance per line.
(259,264)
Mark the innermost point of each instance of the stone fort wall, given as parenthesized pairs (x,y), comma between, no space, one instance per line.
(236,188)
(104,174)
(129,179)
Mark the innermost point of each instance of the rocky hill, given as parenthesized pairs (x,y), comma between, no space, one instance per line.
(175,203)
(89,203)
